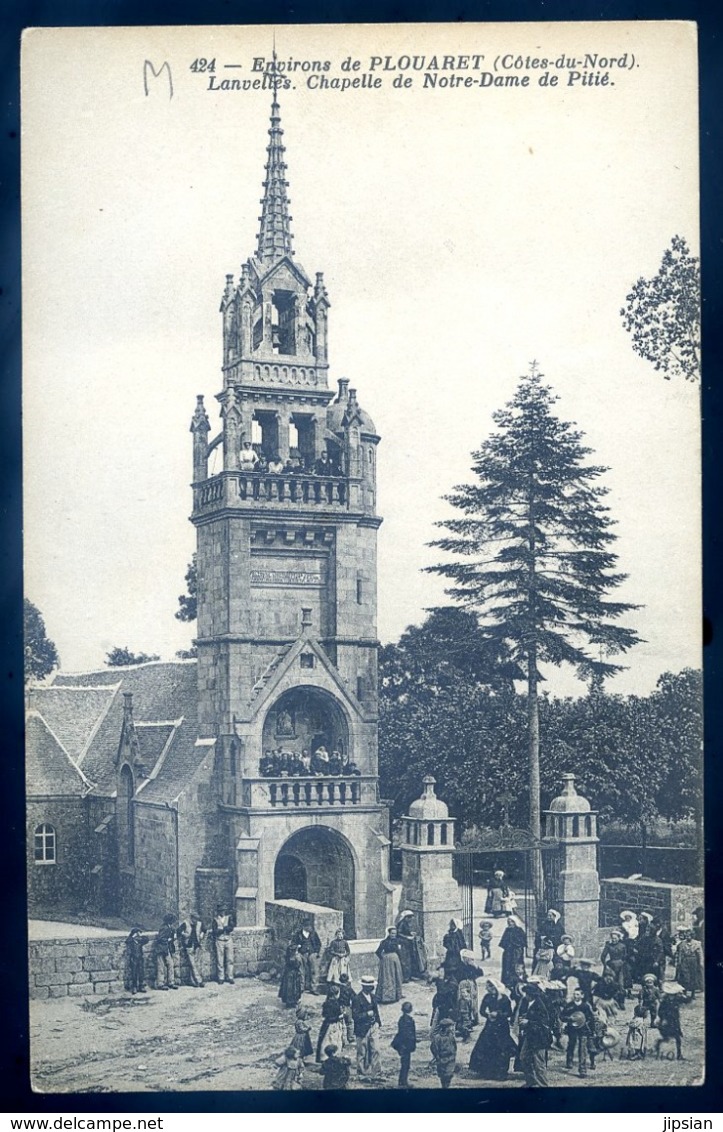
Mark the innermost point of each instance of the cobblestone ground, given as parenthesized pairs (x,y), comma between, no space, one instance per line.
(227,1037)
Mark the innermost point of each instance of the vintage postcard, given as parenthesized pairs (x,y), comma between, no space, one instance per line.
(363,580)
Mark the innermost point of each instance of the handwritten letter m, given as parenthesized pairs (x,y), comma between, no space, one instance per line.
(148,66)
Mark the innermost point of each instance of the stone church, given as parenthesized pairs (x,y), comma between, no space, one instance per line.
(249,774)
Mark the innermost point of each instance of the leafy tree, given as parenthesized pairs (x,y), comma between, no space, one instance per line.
(531,553)
(120,657)
(187,654)
(663,314)
(41,655)
(188,602)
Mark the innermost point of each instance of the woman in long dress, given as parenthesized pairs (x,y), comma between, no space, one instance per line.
(689,963)
(338,953)
(495,1046)
(333,1030)
(497,892)
(389,983)
(454,944)
(514,946)
(413,954)
(292,980)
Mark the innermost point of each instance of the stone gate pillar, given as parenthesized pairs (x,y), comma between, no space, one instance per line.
(428,886)
(570,829)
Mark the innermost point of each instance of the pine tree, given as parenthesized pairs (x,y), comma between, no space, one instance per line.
(531,555)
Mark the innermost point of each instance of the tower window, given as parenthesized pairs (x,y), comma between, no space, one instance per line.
(306,660)
(283,322)
(232,760)
(430,833)
(360,687)
(359,591)
(44,845)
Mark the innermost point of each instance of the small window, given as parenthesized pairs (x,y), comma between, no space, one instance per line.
(443,834)
(359,591)
(307,660)
(232,759)
(430,834)
(360,687)
(44,849)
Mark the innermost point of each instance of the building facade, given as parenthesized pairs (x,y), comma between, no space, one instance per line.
(258,779)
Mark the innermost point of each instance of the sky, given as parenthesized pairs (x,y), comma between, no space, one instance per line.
(462,232)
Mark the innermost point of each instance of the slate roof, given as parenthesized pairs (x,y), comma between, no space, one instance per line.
(73,714)
(49,768)
(165,711)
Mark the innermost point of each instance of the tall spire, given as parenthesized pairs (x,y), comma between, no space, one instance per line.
(275,232)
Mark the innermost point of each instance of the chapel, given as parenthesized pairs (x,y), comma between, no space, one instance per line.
(248,774)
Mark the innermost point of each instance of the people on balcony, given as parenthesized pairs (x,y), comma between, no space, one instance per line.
(283,763)
(275,465)
(248,458)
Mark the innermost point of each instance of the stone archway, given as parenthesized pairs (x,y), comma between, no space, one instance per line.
(303,719)
(328,872)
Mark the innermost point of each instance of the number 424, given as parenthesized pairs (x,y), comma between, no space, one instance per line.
(203,65)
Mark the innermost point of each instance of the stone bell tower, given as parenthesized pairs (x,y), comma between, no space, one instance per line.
(287,634)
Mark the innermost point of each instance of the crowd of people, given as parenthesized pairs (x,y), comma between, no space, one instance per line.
(626,1003)
(253,460)
(280,762)
(564,1012)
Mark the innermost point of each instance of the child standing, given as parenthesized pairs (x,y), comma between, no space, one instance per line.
(485,938)
(636,1043)
(405,1043)
(301,1040)
(649,997)
(346,994)
(543,958)
(443,1047)
(291,1070)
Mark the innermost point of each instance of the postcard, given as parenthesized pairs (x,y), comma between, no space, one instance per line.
(361,424)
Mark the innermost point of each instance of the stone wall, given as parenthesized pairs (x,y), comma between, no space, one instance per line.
(671,903)
(64,885)
(284,917)
(84,966)
(150,887)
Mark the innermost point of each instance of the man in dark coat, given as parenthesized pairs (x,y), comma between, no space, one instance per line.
(309,944)
(405,1043)
(164,949)
(136,975)
(365,1012)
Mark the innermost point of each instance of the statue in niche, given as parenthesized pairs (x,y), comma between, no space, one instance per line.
(285,725)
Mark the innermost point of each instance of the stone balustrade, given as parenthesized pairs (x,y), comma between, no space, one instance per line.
(239,488)
(309,793)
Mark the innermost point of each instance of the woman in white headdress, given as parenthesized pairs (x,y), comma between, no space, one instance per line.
(494,1049)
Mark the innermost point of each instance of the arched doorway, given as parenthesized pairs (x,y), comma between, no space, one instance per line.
(318,862)
(289,878)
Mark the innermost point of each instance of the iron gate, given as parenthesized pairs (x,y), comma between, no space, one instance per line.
(514,852)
